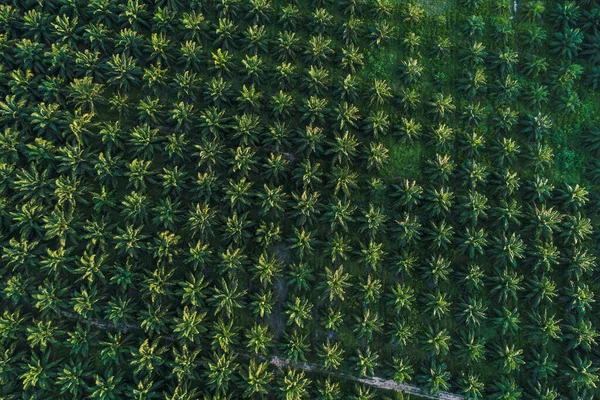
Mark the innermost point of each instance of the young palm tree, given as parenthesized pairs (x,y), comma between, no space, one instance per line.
(228,297)
(442,106)
(583,375)
(343,148)
(288,46)
(317,80)
(221,368)
(436,377)
(298,311)
(352,59)
(437,304)
(123,72)
(437,342)
(331,354)
(257,378)
(381,33)
(318,50)
(295,385)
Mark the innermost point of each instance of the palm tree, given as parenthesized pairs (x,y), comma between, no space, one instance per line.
(412,42)
(544,365)
(228,297)
(442,106)
(437,269)
(37,374)
(340,214)
(507,320)
(474,55)
(577,229)
(567,43)
(253,68)
(377,156)
(220,371)
(474,207)
(566,14)
(510,358)
(505,61)
(351,29)
(373,221)
(436,377)
(506,285)
(542,290)
(256,39)
(314,109)
(437,342)
(262,304)
(381,33)
(471,385)
(473,27)
(318,49)
(508,249)
(331,354)
(378,123)
(366,362)
(192,55)
(123,72)
(273,200)
(342,179)
(409,229)
(506,388)
(545,327)
(581,333)
(72,378)
(583,375)
(572,197)
(440,168)
(290,16)
(108,386)
(437,304)
(288,46)
(347,115)
(317,80)
(534,10)
(259,339)
(367,324)
(257,378)
(295,385)
(472,349)
(343,148)
(473,82)
(296,345)
(440,201)
(339,247)
(298,311)
(472,311)
(352,59)
(380,92)
(259,11)
(440,235)
(307,206)
(579,298)
(328,389)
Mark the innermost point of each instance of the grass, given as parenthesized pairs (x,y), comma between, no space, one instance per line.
(404,159)
(435,7)
(569,161)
